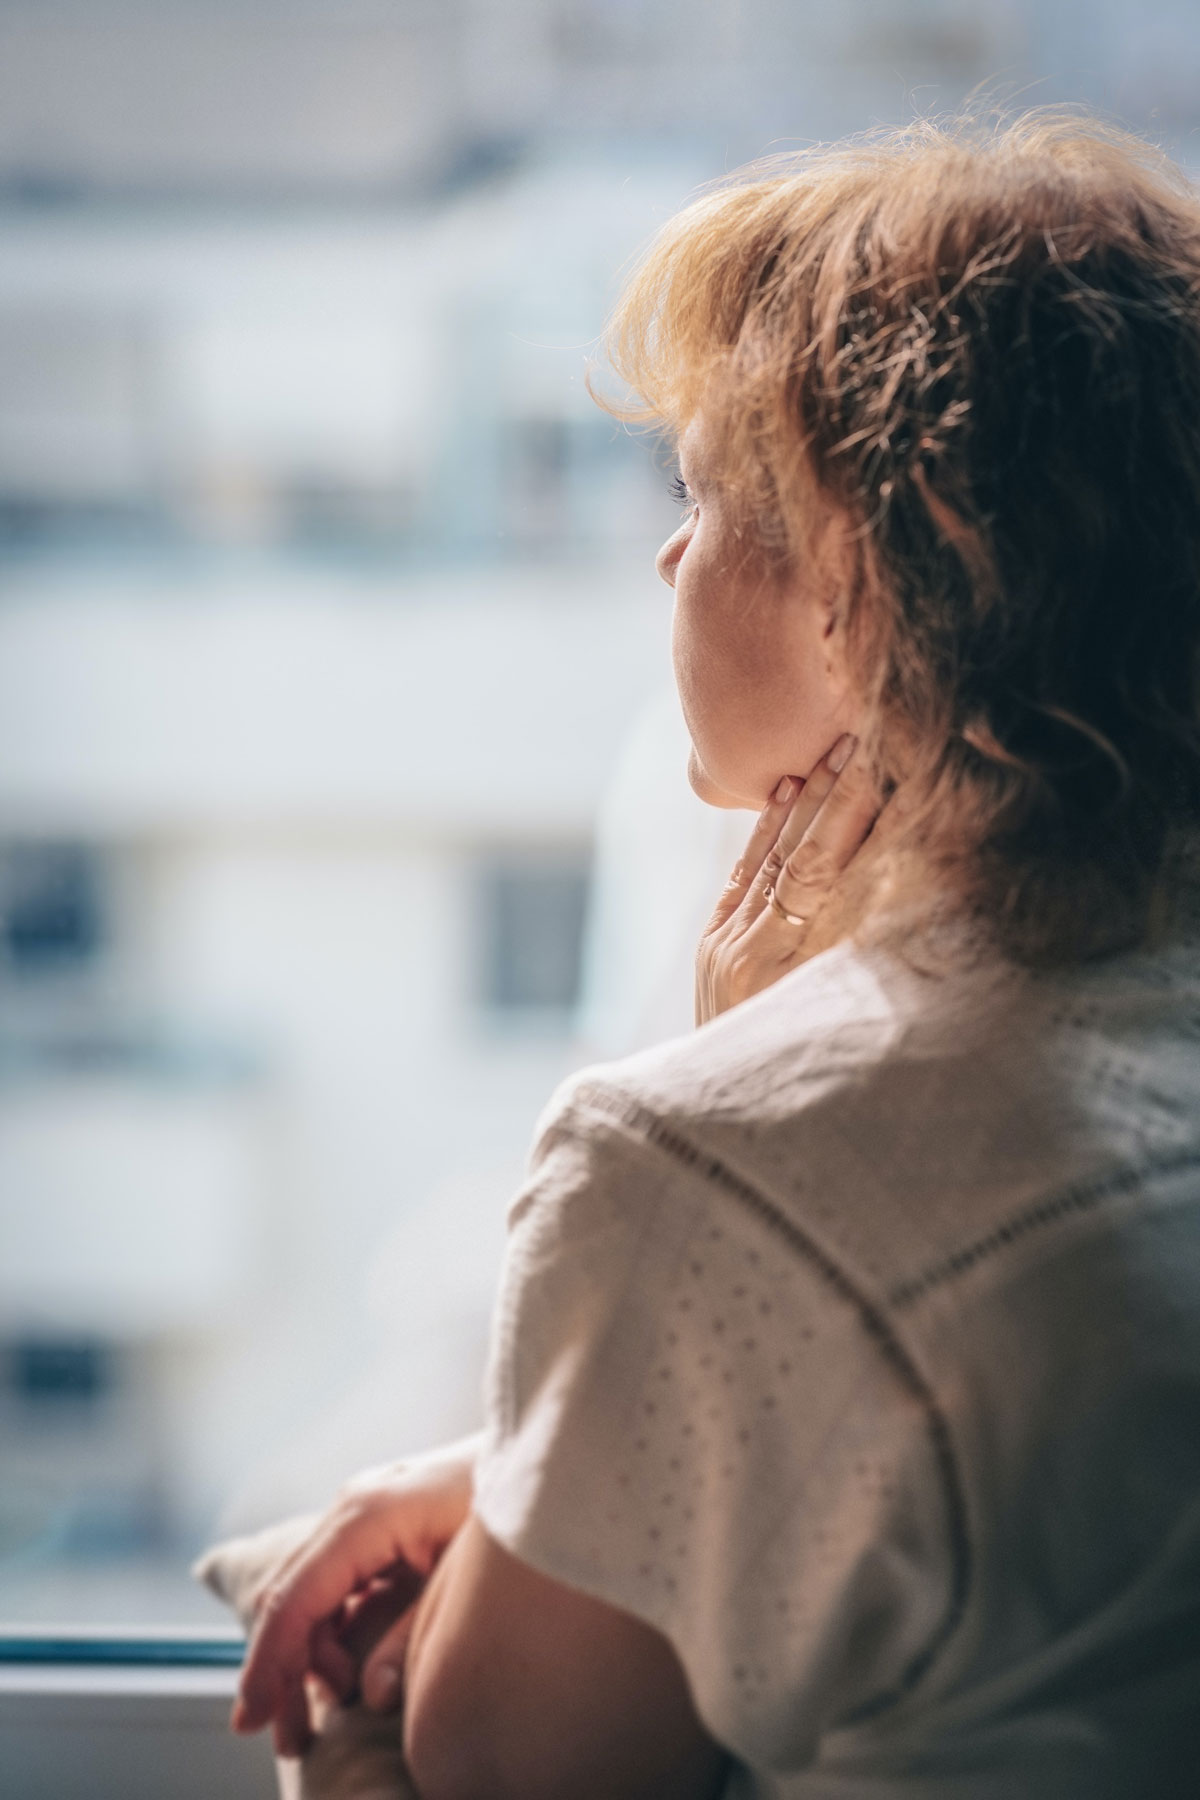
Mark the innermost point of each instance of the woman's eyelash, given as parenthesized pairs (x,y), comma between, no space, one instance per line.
(680,492)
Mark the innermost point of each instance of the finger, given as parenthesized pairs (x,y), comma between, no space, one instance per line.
(276,1581)
(377,1611)
(332,1660)
(817,790)
(292,1729)
(801,814)
(764,835)
(383,1671)
(803,811)
(343,1554)
(837,832)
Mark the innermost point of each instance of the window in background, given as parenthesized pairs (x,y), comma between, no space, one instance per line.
(81,1463)
(51,908)
(78,425)
(326,607)
(531,909)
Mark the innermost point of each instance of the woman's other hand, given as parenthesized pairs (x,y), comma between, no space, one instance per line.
(763,925)
(341,1606)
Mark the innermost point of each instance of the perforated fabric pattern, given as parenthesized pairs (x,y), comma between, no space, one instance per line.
(853,1342)
(700,1421)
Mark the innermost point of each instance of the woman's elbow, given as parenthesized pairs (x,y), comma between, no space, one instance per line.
(455,1751)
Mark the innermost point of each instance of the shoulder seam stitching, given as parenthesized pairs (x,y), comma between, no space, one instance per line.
(1077,1197)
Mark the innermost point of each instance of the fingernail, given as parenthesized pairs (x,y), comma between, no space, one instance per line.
(239,1715)
(381,1690)
(841,753)
(785,790)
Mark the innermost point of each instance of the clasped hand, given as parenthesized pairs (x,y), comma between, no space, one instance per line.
(341,1608)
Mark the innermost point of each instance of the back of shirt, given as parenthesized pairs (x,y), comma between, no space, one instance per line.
(854,1342)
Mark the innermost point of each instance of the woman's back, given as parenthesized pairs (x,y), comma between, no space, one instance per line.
(915,1260)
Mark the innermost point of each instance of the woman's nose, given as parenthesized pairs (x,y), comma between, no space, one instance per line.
(668,557)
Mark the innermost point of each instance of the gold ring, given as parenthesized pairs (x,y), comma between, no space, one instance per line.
(773,903)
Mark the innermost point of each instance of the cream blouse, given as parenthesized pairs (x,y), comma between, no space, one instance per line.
(853,1341)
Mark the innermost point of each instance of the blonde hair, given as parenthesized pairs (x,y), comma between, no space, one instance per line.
(979,344)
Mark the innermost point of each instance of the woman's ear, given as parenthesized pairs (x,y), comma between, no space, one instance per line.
(827,560)
(835,641)
(834,610)
(832,614)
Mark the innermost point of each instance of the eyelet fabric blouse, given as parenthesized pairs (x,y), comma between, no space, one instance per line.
(853,1342)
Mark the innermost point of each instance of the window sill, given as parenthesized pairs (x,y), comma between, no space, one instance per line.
(91,1730)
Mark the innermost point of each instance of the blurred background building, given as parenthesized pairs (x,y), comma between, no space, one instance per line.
(330,649)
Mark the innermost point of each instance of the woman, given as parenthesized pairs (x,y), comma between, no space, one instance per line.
(842,1423)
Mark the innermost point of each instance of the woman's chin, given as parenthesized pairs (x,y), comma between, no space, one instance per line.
(706,789)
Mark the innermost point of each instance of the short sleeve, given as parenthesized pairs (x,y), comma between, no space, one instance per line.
(691,1417)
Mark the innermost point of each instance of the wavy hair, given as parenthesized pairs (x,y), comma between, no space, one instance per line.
(979,344)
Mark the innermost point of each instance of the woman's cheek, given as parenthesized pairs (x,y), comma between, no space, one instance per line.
(681,663)
(707,680)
